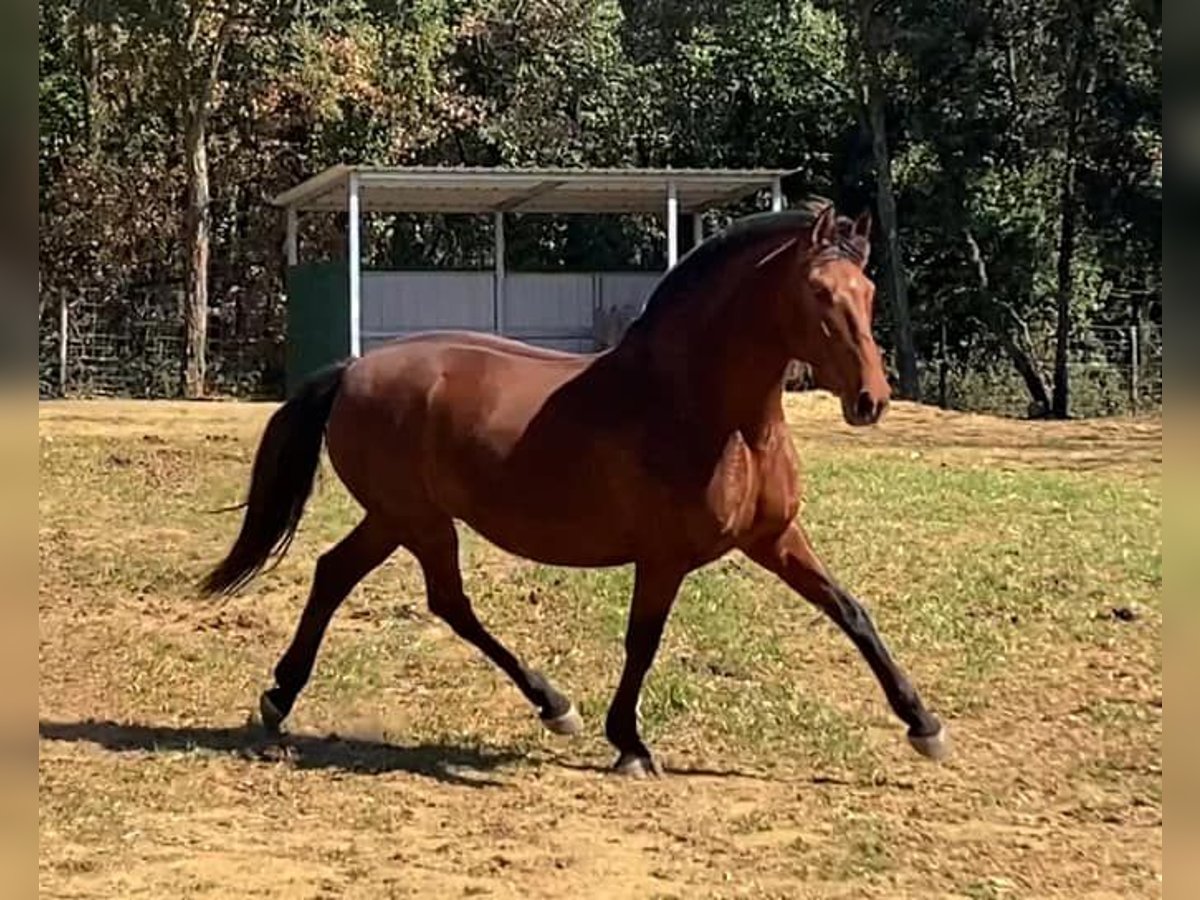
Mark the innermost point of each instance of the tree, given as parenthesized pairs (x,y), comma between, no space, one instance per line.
(207,33)
(1078,88)
(869,42)
(1011,328)
(162,136)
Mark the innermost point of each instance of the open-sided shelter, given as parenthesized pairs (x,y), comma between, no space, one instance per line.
(336,308)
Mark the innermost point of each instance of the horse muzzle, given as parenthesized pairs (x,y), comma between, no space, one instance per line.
(864,409)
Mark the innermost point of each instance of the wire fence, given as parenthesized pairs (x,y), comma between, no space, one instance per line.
(1113,369)
(139,352)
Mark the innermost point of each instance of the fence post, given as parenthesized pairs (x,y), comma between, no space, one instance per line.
(63,336)
(1134,366)
(942,398)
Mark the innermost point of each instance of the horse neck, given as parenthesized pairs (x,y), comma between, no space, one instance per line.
(720,367)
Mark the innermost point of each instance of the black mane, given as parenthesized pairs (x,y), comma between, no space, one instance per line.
(695,267)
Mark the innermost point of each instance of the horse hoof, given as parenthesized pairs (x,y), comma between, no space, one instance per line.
(569,723)
(635,766)
(934,746)
(271,717)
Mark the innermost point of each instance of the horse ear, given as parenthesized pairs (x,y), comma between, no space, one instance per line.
(860,234)
(824,230)
(862,226)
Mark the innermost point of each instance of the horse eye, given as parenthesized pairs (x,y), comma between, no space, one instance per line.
(823,296)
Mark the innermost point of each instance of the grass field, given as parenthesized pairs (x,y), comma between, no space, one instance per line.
(1022,593)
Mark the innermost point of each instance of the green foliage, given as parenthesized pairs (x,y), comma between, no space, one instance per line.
(978,96)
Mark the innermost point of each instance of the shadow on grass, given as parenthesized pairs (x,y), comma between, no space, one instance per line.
(668,769)
(305,751)
(819,780)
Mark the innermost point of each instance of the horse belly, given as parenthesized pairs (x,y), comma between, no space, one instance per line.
(560,542)
(550,519)
(550,499)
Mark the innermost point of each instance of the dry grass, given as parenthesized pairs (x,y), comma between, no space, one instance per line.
(1012,545)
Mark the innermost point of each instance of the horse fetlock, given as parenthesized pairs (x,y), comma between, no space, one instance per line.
(273,707)
(569,723)
(935,746)
(638,765)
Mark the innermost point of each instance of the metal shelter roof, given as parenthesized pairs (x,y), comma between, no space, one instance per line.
(487,190)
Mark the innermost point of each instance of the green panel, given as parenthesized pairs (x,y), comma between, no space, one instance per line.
(318,318)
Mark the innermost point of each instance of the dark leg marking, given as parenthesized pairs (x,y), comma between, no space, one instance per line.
(792,559)
(338,571)
(653,595)
(437,553)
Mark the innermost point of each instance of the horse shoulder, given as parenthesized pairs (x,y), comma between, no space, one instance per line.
(754,489)
(729,495)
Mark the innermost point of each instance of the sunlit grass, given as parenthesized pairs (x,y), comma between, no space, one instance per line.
(969,572)
(1015,571)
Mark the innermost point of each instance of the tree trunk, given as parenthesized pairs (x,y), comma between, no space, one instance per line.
(1013,333)
(943,374)
(1077,93)
(1022,359)
(196,222)
(896,280)
(87,29)
(197,86)
(1066,252)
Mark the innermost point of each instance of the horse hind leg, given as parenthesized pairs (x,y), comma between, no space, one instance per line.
(338,571)
(437,552)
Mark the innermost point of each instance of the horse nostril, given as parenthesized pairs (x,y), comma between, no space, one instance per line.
(865,408)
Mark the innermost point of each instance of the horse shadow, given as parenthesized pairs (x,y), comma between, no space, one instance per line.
(447,763)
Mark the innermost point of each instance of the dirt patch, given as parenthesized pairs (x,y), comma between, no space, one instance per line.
(1127,445)
(1116,445)
(414,770)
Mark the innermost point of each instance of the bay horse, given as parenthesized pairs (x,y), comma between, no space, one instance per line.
(665,451)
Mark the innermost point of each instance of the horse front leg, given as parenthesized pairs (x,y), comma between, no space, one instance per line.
(791,557)
(654,593)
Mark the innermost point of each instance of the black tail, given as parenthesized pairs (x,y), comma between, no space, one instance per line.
(280,482)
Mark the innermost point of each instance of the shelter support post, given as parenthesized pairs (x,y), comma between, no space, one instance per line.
(354,251)
(64,337)
(498,285)
(697,228)
(776,195)
(291,243)
(672,225)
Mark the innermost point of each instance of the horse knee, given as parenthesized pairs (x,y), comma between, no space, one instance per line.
(850,614)
(325,573)
(440,603)
(452,607)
